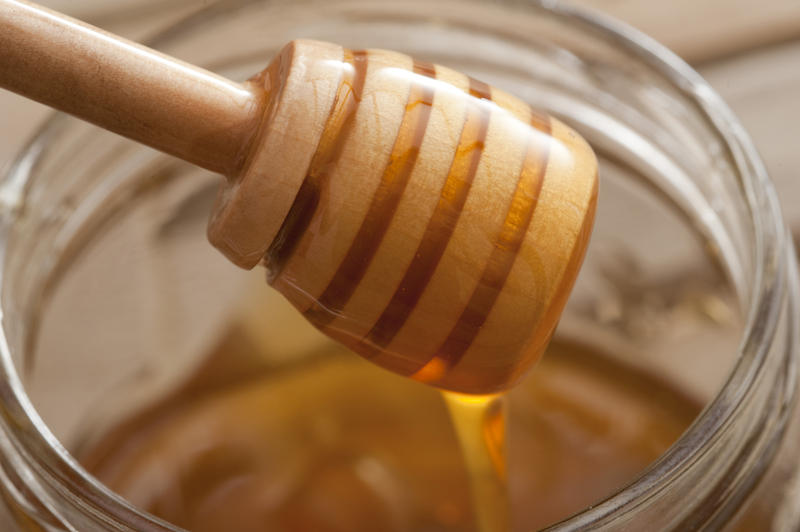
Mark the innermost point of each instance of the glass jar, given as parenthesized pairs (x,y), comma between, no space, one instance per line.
(110,294)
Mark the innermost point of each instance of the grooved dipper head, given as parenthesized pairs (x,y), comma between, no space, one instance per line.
(430,222)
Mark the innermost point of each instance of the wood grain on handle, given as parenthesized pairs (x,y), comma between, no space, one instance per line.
(126,88)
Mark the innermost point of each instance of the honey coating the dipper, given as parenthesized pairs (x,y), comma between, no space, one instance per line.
(428,221)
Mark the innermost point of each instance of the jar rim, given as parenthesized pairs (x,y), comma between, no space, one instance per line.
(774,264)
(773,274)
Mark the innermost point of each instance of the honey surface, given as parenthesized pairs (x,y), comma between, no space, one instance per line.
(332,443)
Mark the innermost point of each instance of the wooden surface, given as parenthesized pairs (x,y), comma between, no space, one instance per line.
(703,30)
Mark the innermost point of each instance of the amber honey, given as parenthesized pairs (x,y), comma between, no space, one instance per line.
(332,443)
(479,422)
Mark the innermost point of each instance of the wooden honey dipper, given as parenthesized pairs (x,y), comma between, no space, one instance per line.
(430,222)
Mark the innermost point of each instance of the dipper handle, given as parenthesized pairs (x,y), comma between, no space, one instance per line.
(430,222)
(127,88)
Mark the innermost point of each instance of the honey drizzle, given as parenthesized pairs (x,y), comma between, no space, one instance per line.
(480,426)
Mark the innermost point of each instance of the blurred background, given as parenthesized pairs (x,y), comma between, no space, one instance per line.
(749,50)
